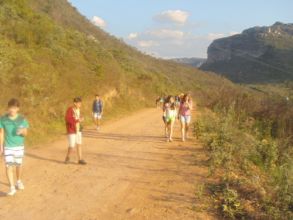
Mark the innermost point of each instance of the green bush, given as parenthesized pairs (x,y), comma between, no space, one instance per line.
(250,151)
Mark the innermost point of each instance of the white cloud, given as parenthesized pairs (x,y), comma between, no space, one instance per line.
(174,16)
(174,42)
(214,36)
(233,33)
(132,36)
(167,33)
(99,22)
(146,43)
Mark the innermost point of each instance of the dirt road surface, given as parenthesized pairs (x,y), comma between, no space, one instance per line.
(132,173)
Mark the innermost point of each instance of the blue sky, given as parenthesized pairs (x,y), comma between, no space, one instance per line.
(181,28)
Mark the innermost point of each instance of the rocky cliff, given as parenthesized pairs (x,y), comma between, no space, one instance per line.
(259,54)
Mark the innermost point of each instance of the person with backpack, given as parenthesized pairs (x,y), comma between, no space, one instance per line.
(73,120)
(13,130)
(185,109)
(97,109)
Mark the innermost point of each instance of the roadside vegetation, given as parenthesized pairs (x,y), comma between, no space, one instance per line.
(248,138)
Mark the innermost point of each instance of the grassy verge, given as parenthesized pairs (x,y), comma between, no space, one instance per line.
(254,169)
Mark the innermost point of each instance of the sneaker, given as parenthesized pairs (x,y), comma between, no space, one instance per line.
(67,160)
(19,185)
(81,162)
(12,191)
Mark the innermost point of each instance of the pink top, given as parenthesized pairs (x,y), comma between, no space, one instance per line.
(185,109)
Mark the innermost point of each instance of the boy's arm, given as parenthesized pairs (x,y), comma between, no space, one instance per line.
(1,140)
(23,131)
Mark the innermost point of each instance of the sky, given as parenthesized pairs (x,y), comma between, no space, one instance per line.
(181,28)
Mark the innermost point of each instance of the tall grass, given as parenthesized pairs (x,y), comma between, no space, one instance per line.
(249,142)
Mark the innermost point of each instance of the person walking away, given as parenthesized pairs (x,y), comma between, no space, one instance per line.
(98,108)
(171,114)
(73,119)
(185,115)
(13,130)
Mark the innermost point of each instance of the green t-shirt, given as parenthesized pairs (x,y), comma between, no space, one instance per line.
(10,127)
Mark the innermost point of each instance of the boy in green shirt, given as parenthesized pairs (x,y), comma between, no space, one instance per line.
(13,129)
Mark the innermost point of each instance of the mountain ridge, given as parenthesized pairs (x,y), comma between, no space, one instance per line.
(257,55)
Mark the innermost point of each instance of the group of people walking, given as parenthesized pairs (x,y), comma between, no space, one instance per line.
(14,129)
(177,107)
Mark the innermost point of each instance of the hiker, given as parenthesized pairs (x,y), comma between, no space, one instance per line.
(170,117)
(13,130)
(185,115)
(158,101)
(177,101)
(164,108)
(73,121)
(98,108)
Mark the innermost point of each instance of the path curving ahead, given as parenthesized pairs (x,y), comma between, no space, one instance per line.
(133,173)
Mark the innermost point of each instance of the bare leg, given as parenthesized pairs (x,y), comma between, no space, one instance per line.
(171,130)
(79,152)
(69,152)
(186,129)
(183,131)
(18,173)
(9,174)
(166,130)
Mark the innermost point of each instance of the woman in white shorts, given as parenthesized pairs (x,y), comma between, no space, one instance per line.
(185,115)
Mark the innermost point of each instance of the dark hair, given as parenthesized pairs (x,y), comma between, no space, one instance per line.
(167,99)
(13,103)
(173,106)
(185,98)
(77,100)
(97,95)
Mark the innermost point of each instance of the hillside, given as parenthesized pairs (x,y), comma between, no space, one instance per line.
(50,53)
(195,62)
(257,55)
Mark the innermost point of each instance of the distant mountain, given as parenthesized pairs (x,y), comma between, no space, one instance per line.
(196,62)
(259,54)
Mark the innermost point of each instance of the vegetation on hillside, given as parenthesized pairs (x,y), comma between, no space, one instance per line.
(50,54)
(249,139)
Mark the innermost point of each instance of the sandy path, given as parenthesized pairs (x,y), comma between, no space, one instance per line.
(132,174)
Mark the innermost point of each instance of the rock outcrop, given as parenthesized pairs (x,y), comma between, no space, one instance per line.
(259,54)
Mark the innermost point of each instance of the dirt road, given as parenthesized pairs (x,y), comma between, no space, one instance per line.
(132,173)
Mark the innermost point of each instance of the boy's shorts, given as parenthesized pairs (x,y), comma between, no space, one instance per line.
(185,119)
(13,155)
(74,139)
(98,116)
